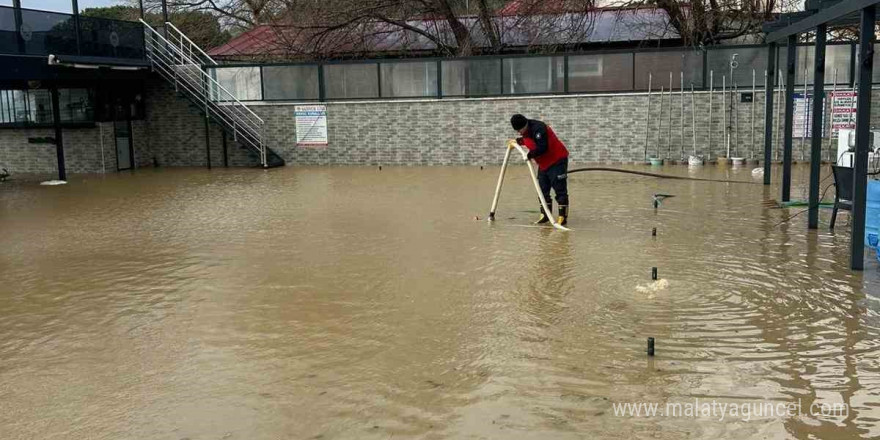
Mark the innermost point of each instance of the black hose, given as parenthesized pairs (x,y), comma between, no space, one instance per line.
(661,176)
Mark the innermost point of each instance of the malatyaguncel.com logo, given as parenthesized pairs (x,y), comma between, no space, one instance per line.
(745,411)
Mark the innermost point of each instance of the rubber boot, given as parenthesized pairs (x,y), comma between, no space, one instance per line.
(563,215)
(545,217)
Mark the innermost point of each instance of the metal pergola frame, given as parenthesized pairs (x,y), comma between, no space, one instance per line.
(822,14)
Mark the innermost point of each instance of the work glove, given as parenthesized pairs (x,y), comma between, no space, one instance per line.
(525,154)
(511,144)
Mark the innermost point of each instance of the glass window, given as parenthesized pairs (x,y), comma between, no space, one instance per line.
(40,106)
(534,75)
(75,105)
(471,77)
(351,81)
(290,82)
(837,57)
(409,79)
(661,64)
(242,82)
(589,73)
(13,106)
(34,106)
(746,60)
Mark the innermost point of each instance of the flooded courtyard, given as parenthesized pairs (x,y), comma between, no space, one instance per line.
(354,303)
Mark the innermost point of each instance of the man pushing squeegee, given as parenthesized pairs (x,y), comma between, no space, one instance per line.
(552,158)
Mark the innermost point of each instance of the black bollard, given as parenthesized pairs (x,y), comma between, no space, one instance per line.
(650,346)
(380,167)
(654,273)
(654,232)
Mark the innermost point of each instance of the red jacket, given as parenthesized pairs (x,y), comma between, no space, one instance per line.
(543,144)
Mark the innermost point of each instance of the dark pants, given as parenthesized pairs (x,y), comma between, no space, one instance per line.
(555,177)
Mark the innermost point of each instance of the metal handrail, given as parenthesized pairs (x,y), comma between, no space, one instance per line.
(176,66)
(217,84)
(196,82)
(191,42)
(163,70)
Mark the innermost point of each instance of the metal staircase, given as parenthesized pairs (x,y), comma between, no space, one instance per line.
(182,63)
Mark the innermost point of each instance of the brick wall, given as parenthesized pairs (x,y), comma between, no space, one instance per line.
(596,128)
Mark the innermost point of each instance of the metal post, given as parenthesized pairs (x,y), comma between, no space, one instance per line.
(648,116)
(659,124)
(831,118)
(818,116)
(863,127)
(711,95)
(789,118)
(726,138)
(681,117)
(225,151)
(208,139)
(780,128)
(669,120)
(768,122)
(806,114)
(141,6)
(693,120)
(752,118)
(59,141)
(75,6)
(16,6)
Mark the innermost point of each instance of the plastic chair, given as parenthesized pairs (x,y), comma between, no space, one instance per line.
(843,190)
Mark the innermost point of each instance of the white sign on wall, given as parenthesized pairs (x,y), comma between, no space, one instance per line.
(843,111)
(311,125)
(802,122)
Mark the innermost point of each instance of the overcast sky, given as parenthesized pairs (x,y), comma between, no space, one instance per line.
(62,5)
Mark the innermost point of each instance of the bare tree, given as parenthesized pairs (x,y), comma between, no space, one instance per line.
(708,22)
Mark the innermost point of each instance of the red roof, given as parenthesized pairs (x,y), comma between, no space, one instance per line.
(531,29)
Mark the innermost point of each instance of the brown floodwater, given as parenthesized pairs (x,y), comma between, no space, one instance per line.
(353,303)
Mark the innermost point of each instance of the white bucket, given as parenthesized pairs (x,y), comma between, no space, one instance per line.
(695,161)
(737,161)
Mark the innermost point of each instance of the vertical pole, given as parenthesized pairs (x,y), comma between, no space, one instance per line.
(752,118)
(207,121)
(818,116)
(681,116)
(59,141)
(208,139)
(141,6)
(648,116)
(16,6)
(789,117)
(863,127)
(693,120)
(711,95)
(726,138)
(669,120)
(769,85)
(806,113)
(831,118)
(780,127)
(225,151)
(659,124)
(75,6)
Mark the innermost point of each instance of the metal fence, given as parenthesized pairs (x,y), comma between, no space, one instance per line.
(589,72)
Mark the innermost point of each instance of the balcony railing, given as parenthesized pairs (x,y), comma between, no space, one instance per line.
(32,32)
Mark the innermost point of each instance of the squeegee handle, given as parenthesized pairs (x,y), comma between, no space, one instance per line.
(500,181)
